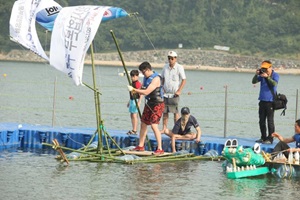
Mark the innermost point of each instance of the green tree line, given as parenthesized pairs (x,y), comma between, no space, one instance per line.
(248,27)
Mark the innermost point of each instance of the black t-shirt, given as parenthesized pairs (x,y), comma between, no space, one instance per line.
(192,121)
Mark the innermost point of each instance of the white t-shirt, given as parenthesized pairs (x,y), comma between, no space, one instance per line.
(172,78)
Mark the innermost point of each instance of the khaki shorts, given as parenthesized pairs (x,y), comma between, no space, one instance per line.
(171,104)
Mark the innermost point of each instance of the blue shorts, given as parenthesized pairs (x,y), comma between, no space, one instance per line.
(132,107)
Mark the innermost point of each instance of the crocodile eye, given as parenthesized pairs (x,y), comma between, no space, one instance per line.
(256,148)
(228,143)
(234,143)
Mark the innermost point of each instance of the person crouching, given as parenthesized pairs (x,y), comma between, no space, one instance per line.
(182,128)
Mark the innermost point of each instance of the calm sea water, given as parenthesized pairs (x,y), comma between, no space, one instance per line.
(30,176)
(26,96)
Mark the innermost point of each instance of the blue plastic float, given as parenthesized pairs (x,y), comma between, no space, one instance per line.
(14,135)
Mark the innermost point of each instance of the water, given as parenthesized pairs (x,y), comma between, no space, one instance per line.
(27,90)
(34,175)
(26,96)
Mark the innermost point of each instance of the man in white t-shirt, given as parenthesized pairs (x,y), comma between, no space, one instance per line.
(174,79)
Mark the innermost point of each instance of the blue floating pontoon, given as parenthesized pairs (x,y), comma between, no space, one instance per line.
(14,135)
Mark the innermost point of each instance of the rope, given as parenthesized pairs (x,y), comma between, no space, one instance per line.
(68,136)
(143,27)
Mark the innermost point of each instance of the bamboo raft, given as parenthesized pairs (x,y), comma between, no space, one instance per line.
(118,156)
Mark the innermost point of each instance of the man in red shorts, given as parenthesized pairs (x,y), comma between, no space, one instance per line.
(154,106)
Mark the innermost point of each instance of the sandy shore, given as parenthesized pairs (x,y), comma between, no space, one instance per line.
(194,67)
(112,59)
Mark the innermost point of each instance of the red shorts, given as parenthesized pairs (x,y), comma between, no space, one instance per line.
(152,114)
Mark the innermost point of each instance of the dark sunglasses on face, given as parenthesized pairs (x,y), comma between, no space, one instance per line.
(171,58)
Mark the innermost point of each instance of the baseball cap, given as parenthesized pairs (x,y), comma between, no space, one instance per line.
(266,65)
(185,111)
(172,54)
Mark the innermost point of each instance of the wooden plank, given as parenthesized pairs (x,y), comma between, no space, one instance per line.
(60,151)
(145,153)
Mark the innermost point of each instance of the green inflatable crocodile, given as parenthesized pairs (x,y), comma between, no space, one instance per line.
(240,162)
(243,157)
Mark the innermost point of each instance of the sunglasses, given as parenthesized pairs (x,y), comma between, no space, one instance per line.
(171,58)
(144,71)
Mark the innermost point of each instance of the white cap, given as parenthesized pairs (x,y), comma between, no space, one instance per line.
(172,54)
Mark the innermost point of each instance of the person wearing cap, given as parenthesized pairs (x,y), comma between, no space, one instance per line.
(268,78)
(174,79)
(182,128)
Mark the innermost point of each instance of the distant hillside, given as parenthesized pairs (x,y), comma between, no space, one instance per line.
(262,28)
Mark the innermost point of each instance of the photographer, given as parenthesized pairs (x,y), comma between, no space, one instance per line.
(268,78)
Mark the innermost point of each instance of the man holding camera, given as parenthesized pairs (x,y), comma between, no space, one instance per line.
(268,79)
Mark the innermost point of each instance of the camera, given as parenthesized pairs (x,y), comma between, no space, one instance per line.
(262,70)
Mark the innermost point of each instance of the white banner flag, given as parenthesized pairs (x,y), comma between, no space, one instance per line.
(22,26)
(73,32)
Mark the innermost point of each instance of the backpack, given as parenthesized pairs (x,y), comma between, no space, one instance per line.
(280,102)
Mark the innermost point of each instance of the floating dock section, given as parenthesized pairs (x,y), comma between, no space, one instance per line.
(13,135)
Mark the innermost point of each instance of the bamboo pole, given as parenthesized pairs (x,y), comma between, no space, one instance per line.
(97,103)
(156,159)
(92,138)
(95,154)
(100,126)
(96,159)
(129,80)
(118,147)
(174,159)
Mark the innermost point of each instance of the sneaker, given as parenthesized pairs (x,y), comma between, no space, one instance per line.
(138,148)
(159,151)
(259,140)
(267,142)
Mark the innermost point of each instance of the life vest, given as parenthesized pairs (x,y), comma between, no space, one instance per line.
(157,95)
